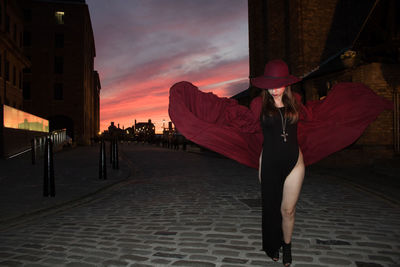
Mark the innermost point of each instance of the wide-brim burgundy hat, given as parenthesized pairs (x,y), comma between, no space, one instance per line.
(276,75)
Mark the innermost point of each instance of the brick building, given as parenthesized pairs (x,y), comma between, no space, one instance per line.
(61,85)
(356,41)
(12,58)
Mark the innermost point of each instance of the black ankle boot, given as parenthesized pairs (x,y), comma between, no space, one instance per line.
(287,254)
(275,256)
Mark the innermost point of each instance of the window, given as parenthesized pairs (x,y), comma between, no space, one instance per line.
(1,15)
(58,65)
(7,70)
(20,80)
(26,90)
(20,40)
(14,76)
(59,16)
(7,23)
(15,32)
(59,40)
(27,38)
(58,91)
(1,63)
(28,15)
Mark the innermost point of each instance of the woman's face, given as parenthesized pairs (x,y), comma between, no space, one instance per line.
(276,92)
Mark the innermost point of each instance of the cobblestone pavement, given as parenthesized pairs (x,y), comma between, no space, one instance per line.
(186,209)
(76,172)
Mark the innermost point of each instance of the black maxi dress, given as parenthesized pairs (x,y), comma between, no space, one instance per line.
(278,160)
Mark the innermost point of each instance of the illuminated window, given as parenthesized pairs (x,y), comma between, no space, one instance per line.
(59,15)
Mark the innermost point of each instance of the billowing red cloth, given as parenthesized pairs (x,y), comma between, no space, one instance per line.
(224,126)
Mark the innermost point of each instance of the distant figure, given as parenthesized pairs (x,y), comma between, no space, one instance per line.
(176,142)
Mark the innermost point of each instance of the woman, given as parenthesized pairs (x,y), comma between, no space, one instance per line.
(281,168)
(269,128)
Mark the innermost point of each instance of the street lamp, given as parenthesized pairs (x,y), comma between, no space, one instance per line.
(163,125)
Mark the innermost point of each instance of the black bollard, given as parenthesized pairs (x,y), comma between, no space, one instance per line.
(111,151)
(48,178)
(33,144)
(103,165)
(115,154)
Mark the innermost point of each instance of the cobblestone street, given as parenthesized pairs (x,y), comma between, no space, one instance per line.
(187,209)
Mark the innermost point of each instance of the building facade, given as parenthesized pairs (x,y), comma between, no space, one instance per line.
(61,85)
(12,58)
(348,41)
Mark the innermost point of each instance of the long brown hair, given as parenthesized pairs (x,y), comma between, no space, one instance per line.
(288,100)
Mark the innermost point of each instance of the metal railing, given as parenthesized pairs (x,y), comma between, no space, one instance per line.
(38,143)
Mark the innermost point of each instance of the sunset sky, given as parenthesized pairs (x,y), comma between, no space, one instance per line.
(143,47)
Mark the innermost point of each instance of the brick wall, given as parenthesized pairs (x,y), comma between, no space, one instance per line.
(378,77)
(300,32)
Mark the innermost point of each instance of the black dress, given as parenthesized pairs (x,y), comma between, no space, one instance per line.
(278,160)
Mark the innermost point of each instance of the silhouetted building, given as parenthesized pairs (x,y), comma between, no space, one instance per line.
(12,58)
(144,131)
(356,41)
(61,85)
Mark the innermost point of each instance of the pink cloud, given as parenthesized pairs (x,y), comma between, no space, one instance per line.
(144,47)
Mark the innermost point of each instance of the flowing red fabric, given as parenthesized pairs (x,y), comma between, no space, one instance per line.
(233,130)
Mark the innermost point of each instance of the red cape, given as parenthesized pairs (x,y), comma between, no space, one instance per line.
(233,130)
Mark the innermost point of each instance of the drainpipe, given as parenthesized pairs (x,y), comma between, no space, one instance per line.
(5,60)
(5,80)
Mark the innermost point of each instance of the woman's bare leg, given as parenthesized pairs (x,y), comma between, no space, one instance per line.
(291,192)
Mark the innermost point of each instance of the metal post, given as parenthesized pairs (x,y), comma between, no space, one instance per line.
(115,154)
(103,165)
(112,151)
(48,179)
